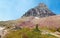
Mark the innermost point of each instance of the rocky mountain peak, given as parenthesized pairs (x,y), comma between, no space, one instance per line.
(42,5)
(39,11)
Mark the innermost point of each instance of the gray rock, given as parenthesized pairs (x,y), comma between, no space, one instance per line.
(39,11)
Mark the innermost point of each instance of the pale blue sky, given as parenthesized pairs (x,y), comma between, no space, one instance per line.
(14,9)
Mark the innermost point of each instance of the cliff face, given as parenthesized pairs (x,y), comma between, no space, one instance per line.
(39,11)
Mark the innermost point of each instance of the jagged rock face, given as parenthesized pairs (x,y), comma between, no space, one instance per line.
(40,11)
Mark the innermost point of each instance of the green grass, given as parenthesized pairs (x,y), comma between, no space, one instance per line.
(27,33)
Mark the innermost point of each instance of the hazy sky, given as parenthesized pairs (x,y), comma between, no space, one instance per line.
(14,9)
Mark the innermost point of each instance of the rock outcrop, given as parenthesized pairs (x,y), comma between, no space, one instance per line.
(39,11)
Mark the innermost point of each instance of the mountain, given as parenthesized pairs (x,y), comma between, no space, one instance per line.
(32,17)
(39,11)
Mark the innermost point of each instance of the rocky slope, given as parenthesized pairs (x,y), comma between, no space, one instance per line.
(39,11)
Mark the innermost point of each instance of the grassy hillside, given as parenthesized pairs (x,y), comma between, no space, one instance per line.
(51,23)
(28,33)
